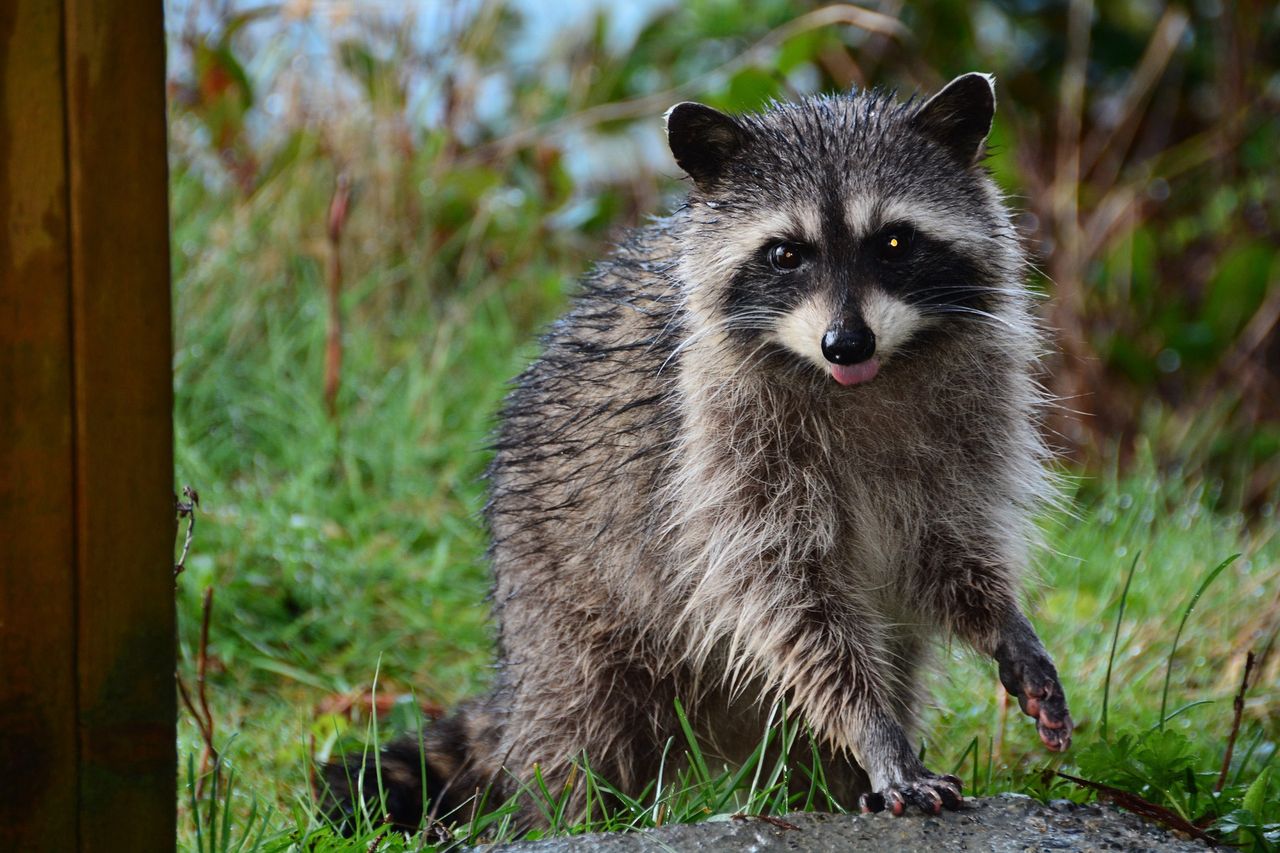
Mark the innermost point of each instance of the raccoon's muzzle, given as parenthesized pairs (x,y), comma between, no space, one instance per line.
(851,355)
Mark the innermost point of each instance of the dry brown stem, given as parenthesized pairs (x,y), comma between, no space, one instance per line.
(1238,705)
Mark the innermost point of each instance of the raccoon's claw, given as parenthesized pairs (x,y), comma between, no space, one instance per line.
(1053,720)
(930,795)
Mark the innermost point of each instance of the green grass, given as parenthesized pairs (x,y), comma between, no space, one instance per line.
(343,548)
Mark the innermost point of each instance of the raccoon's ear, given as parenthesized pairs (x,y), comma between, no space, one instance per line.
(959,117)
(703,140)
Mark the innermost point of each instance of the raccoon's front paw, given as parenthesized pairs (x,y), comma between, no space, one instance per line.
(929,793)
(1034,681)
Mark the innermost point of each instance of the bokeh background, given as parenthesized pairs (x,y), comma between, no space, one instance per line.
(376,206)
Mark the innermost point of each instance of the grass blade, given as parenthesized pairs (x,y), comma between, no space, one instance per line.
(758,757)
(1186,614)
(1115,638)
(213,804)
(972,747)
(1178,712)
(224,843)
(695,752)
(195,805)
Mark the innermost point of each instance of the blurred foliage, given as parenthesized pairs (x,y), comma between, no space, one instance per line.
(482,139)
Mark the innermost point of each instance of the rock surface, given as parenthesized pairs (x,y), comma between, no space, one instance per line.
(1006,823)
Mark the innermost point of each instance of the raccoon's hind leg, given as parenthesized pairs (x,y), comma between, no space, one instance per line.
(611,717)
(411,778)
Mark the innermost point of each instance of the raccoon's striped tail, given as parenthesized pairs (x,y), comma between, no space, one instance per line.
(409,779)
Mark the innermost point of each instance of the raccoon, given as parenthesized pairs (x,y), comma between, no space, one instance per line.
(782,442)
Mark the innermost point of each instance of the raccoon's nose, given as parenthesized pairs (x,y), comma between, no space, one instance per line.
(844,346)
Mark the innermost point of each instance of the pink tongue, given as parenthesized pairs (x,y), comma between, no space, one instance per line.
(855,374)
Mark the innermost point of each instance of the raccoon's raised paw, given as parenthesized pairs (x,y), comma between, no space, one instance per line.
(930,794)
(1034,681)
(1049,707)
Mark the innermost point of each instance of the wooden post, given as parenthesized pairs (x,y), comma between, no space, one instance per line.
(87,704)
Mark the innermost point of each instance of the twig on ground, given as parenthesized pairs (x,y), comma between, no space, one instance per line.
(1002,719)
(1238,704)
(199,706)
(186,509)
(199,709)
(365,701)
(769,819)
(339,207)
(1141,806)
(377,839)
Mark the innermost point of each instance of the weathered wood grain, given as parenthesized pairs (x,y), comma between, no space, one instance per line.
(87,704)
(38,751)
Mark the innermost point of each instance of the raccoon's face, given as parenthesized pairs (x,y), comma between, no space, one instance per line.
(840,233)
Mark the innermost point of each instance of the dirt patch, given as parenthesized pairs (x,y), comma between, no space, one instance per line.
(1005,823)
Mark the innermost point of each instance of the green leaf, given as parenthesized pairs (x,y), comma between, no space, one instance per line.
(1237,289)
(1254,798)
(1167,756)
(359,61)
(1107,760)
(798,50)
(750,88)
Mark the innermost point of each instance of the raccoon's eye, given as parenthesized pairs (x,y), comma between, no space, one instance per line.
(895,244)
(786,257)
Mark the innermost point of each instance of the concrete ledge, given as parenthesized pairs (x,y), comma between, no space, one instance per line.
(1009,822)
